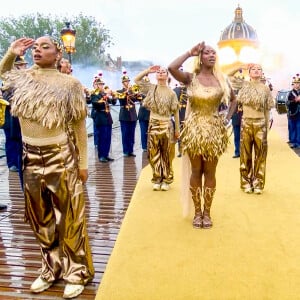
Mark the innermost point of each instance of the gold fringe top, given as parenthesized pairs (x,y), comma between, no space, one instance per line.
(47,103)
(43,96)
(160,100)
(164,102)
(256,95)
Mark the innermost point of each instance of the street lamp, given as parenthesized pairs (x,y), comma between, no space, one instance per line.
(68,38)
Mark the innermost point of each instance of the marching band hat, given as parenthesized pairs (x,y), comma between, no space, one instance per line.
(296,79)
(98,79)
(125,77)
(20,60)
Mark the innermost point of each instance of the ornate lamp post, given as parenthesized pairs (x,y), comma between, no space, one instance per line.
(68,36)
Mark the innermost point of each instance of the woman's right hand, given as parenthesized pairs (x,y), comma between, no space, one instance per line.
(196,50)
(19,46)
(153,69)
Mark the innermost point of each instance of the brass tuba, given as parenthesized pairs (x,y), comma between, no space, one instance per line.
(135,89)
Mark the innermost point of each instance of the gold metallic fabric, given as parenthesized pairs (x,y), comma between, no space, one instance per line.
(255,95)
(253,137)
(172,156)
(42,101)
(159,150)
(55,209)
(257,101)
(204,132)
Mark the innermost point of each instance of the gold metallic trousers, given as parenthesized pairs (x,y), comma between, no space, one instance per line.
(55,209)
(253,137)
(159,150)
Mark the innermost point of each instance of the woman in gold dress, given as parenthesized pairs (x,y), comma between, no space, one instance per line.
(204,137)
(52,111)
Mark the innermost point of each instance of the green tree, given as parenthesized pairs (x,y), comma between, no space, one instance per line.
(92,38)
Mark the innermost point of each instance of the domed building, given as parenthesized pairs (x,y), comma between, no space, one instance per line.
(238,42)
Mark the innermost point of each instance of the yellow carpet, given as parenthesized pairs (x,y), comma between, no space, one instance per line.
(252,251)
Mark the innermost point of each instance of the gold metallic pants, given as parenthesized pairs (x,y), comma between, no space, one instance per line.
(253,137)
(55,209)
(172,156)
(159,149)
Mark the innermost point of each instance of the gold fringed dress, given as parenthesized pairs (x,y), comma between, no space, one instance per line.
(204,132)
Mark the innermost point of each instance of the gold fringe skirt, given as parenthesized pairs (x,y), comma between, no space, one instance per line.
(204,135)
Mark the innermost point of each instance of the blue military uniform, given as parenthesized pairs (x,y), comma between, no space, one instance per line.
(236,120)
(102,121)
(127,116)
(13,140)
(294,118)
(143,117)
(181,93)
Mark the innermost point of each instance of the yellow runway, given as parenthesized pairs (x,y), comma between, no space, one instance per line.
(252,251)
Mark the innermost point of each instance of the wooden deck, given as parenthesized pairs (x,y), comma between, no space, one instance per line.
(108,193)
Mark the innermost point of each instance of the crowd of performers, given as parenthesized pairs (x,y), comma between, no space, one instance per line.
(51,107)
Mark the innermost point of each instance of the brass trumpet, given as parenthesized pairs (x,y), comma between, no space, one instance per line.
(135,89)
(119,95)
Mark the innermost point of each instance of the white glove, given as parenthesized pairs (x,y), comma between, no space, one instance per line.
(227,123)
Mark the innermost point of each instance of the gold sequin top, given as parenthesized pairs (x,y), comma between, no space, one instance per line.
(204,132)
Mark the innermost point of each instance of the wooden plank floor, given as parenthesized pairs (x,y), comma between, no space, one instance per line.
(108,193)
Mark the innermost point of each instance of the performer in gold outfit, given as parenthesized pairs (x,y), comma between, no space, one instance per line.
(52,111)
(256,101)
(204,136)
(162,102)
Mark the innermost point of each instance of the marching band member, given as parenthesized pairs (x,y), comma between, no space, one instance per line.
(12,130)
(162,102)
(101,99)
(87,94)
(181,92)
(143,117)
(293,113)
(127,115)
(236,78)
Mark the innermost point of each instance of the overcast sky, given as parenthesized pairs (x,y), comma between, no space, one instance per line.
(160,30)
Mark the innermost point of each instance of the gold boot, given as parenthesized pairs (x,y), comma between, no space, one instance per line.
(208,196)
(196,196)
